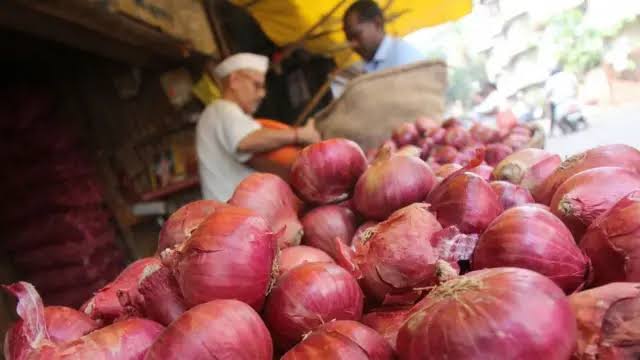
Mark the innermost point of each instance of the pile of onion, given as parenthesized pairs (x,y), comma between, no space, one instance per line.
(496,153)
(390,184)
(445,170)
(67,324)
(229,256)
(352,335)
(294,256)
(608,321)
(387,322)
(362,234)
(272,198)
(405,134)
(588,194)
(326,172)
(484,134)
(612,242)
(532,238)
(503,313)
(457,137)
(324,224)
(425,124)
(527,168)
(308,296)
(443,154)
(228,329)
(179,226)
(617,155)
(511,195)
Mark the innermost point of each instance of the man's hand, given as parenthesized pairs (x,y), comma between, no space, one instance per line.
(308,133)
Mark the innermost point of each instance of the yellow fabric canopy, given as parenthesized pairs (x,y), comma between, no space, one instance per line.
(288,21)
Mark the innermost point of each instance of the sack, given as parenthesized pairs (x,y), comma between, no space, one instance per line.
(372,105)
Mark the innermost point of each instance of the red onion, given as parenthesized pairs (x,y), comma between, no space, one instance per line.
(425,124)
(586,195)
(391,184)
(307,296)
(521,130)
(527,168)
(271,197)
(483,134)
(298,255)
(67,324)
(425,144)
(457,137)
(445,170)
(324,345)
(325,223)
(362,234)
(105,305)
(157,296)
(483,170)
(326,172)
(443,154)
(608,321)
(495,153)
(511,195)
(517,141)
(466,201)
(409,150)
(612,242)
(503,313)
(466,155)
(227,329)
(531,238)
(607,155)
(405,134)
(29,337)
(179,226)
(387,322)
(451,122)
(374,345)
(229,256)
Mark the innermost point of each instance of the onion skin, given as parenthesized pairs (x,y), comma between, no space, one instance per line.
(443,154)
(612,242)
(465,200)
(368,339)
(457,137)
(495,153)
(224,329)
(531,238)
(326,172)
(272,198)
(534,165)
(608,322)
(483,170)
(229,256)
(399,256)
(588,194)
(445,170)
(530,318)
(67,324)
(307,296)
(405,134)
(326,345)
(294,256)
(325,223)
(362,234)
(391,184)
(511,195)
(179,226)
(387,322)
(617,155)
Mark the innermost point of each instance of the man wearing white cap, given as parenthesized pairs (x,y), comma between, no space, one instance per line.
(227,135)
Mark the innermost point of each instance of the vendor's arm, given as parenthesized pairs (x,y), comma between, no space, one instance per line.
(262,140)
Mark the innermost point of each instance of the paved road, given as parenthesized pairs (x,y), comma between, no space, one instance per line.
(614,125)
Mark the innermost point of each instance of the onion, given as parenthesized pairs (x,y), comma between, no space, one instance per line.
(445,170)
(527,168)
(504,313)
(179,226)
(323,345)
(29,337)
(608,321)
(105,305)
(224,329)
(374,345)
(586,195)
(607,155)
(457,137)
(437,135)
(391,184)
(517,141)
(443,154)
(531,238)
(483,170)
(495,153)
(409,150)
(465,200)
(229,256)
(67,324)
(298,255)
(511,195)
(307,296)
(271,197)
(405,134)
(157,296)
(325,223)
(425,124)
(387,322)
(483,134)
(326,172)
(362,234)
(451,122)
(521,130)
(425,144)
(612,242)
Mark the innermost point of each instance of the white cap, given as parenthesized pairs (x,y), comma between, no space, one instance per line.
(241,61)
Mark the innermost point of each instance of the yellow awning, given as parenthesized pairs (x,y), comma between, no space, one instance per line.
(289,21)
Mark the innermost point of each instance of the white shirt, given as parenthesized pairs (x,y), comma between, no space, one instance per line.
(561,87)
(393,52)
(220,129)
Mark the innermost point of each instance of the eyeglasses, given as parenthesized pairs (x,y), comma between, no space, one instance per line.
(257,84)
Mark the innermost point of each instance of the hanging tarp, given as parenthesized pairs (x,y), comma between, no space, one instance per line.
(317,24)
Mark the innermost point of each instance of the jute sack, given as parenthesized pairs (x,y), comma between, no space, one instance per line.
(373,104)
